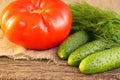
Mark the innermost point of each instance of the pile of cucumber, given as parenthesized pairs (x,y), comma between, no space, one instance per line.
(90,56)
(94,43)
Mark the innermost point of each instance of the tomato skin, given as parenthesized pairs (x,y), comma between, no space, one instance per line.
(36,24)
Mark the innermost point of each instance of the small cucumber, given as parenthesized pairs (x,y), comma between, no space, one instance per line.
(72,43)
(85,50)
(101,61)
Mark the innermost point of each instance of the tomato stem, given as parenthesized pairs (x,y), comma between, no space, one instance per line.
(36,11)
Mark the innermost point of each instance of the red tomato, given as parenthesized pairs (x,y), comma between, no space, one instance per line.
(36,24)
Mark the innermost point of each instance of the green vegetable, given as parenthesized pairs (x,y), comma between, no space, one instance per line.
(101,61)
(100,23)
(104,28)
(109,30)
(87,17)
(79,54)
(72,43)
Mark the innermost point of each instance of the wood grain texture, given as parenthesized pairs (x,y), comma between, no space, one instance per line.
(44,70)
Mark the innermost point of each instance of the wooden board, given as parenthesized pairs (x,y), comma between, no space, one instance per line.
(45,70)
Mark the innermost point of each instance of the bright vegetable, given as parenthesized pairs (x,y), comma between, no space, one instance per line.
(101,61)
(72,43)
(79,54)
(109,30)
(104,27)
(36,24)
(87,49)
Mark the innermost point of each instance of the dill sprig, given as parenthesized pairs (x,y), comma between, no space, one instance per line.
(86,16)
(98,22)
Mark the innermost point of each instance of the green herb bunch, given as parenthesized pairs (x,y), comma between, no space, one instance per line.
(100,23)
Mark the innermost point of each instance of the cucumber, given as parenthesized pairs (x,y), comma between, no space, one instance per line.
(72,43)
(85,50)
(101,61)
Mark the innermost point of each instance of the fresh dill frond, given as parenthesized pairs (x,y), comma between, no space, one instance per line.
(86,16)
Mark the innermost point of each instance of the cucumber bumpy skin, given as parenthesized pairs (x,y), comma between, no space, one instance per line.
(72,43)
(85,50)
(101,61)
